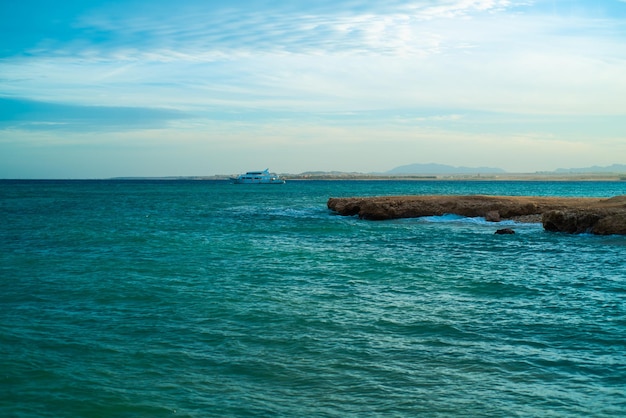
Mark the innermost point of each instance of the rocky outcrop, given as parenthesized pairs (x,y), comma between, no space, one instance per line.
(505,231)
(572,215)
(605,218)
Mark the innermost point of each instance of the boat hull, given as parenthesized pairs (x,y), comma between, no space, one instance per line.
(258,177)
(253,181)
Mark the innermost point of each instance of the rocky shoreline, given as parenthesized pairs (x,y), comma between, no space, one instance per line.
(558,214)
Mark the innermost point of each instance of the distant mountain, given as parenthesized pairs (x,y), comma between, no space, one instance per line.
(442,169)
(615,168)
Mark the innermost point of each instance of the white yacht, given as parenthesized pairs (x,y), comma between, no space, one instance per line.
(258,177)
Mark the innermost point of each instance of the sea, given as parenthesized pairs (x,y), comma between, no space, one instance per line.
(165,298)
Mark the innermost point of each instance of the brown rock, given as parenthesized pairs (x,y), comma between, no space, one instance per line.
(572,215)
(573,221)
(612,224)
(492,216)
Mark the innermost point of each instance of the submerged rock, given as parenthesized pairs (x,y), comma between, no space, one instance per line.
(504,231)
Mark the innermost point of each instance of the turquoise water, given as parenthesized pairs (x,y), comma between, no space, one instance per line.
(196,299)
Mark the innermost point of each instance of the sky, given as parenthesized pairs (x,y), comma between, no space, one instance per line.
(116,88)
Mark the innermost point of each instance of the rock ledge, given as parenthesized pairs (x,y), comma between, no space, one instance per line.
(558,214)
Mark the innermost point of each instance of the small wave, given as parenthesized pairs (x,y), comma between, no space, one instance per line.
(305,212)
(458,219)
(297,213)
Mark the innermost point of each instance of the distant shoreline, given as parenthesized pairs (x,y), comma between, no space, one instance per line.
(413,177)
(371,177)
(469,177)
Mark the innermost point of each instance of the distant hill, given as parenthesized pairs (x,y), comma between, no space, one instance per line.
(442,169)
(615,168)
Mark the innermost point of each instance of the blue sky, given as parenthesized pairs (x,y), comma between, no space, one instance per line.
(93,89)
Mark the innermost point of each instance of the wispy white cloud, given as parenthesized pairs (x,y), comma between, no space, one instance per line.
(209,32)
